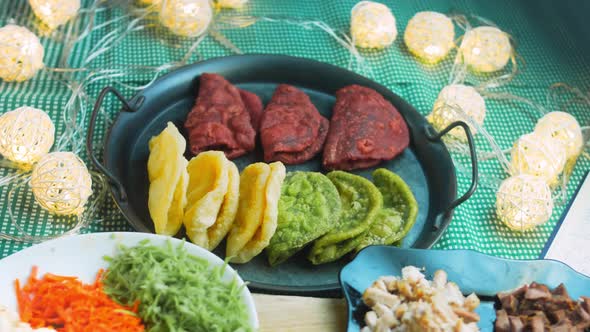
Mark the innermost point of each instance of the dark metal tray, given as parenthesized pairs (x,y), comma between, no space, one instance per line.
(426,165)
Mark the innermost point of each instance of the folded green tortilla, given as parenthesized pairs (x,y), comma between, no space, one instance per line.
(361,201)
(308,208)
(396,218)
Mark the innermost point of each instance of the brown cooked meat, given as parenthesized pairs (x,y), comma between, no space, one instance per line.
(535,307)
(220,120)
(365,129)
(291,129)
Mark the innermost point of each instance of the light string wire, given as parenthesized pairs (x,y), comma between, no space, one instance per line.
(78,79)
(560,97)
(15,171)
(356,61)
(90,214)
(457,146)
(459,75)
(75,115)
(555,93)
(76,109)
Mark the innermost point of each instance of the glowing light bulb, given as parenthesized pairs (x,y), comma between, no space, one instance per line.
(458,102)
(372,25)
(523,202)
(61,183)
(564,129)
(189,18)
(55,12)
(531,154)
(233,4)
(21,53)
(26,135)
(149,2)
(486,49)
(430,36)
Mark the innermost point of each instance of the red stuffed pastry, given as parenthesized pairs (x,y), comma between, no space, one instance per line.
(365,129)
(292,130)
(221,119)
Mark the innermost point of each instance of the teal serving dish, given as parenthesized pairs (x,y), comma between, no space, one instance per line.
(473,272)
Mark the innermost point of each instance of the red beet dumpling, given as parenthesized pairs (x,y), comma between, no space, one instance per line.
(220,119)
(253,106)
(292,130)
(365,129)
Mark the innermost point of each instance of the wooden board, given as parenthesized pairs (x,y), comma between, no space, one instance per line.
(294,313)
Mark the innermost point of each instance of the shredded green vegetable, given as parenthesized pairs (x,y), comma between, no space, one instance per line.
(176,291)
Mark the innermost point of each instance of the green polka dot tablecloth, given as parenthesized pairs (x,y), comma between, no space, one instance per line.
(551,38)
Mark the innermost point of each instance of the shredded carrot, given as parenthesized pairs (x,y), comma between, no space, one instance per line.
(68,305)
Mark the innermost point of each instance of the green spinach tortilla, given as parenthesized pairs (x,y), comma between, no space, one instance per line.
(396,218)
(308,208)
(361,201)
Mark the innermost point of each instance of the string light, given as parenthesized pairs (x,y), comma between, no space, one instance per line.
(430,36)
(486,49)
(372,25)
(188,18)
(21,53)
(55,12)
(533,155)
(26,134)
(523,202)
(458,102)
(61,183)
(564,129)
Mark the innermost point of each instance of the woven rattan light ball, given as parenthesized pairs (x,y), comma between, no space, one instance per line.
(564,129)
(21,53)
(458,102)
(26,135)
(534,155)
(55,12)
(430,36)
(523,202)
(188,18)
(486,49)
(61,183)
(372,25)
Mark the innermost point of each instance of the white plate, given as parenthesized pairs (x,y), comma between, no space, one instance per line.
(82,256)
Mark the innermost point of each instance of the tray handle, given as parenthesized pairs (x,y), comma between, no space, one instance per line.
(90,146)
(434,136)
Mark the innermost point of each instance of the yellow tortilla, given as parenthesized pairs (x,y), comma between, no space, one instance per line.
(250,207)
(261,238)
(176,211)
(207,186)
(168,180)
(228,211)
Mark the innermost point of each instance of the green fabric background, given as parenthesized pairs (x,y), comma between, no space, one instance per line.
(552,39)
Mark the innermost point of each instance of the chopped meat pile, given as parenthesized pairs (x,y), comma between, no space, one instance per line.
(365,129)
(535,308)
(291,129)
(414,304)
(221,120)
